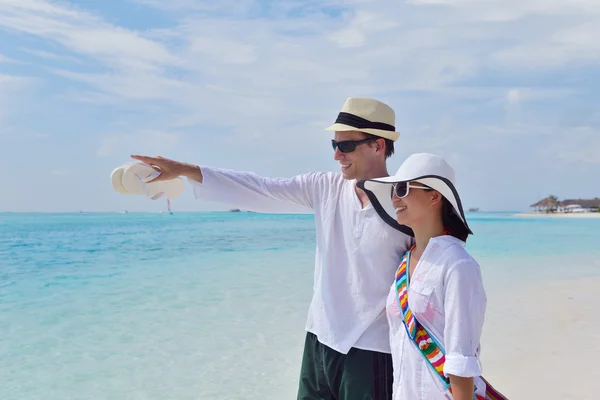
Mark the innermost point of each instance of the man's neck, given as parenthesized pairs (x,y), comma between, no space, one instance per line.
(378,173)
(374,173)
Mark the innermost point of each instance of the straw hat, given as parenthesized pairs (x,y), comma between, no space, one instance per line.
(367,115)
(428,169)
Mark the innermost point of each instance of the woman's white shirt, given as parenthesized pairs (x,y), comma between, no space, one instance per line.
(447,297)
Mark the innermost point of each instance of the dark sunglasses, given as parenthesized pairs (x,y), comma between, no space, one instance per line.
(348,146)
(401,189)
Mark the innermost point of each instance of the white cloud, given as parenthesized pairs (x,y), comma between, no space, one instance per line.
(570,45)
(480,10)
(233,7)
(52,56)
(10,81)
(141,86)
(348,37)
(84,34)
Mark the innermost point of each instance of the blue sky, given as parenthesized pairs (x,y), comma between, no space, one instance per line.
(506,90)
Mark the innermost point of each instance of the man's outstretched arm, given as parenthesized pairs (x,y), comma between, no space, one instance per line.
(244,190)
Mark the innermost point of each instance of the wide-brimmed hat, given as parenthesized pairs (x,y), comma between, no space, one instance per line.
(133,178)
(367,115)
(428,169)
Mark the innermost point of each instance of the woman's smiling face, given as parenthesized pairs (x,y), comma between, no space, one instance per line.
(416,205)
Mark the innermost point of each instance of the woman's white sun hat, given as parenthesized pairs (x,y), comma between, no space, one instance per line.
(132,178)
(428,169)
(367,115)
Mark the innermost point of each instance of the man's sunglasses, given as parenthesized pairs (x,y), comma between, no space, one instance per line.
(401,189)
(348,146)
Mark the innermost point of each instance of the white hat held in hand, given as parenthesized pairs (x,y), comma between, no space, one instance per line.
(132,178)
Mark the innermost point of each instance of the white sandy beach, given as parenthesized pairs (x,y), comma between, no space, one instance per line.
(542,341)
(559,215)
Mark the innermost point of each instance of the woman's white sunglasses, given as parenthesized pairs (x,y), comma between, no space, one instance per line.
(401,189)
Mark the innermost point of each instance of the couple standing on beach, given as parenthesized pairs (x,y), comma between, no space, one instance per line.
(398,304)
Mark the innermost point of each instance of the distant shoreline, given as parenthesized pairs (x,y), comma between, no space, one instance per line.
(559,215)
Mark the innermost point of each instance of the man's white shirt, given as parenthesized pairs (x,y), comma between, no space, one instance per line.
(356,257)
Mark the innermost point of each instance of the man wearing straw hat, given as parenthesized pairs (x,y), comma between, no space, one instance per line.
(346,351)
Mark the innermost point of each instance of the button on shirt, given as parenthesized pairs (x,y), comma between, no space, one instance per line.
(447,297)
(356,256)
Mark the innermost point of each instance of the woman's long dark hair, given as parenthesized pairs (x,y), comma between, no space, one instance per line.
(452,222)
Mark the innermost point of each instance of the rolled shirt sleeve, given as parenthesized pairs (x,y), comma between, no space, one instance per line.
(464,308)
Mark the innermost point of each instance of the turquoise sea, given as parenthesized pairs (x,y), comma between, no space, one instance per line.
(201,305)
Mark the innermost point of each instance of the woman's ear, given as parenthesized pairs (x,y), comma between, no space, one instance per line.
(436,197)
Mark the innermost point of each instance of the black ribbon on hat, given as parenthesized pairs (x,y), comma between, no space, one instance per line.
(361,123)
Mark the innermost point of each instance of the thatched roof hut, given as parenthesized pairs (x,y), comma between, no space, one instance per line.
(549,203)
(552,204)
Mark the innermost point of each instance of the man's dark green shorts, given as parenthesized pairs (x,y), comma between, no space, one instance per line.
(329,375)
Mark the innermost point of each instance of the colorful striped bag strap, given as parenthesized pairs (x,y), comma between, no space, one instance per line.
(430,349)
